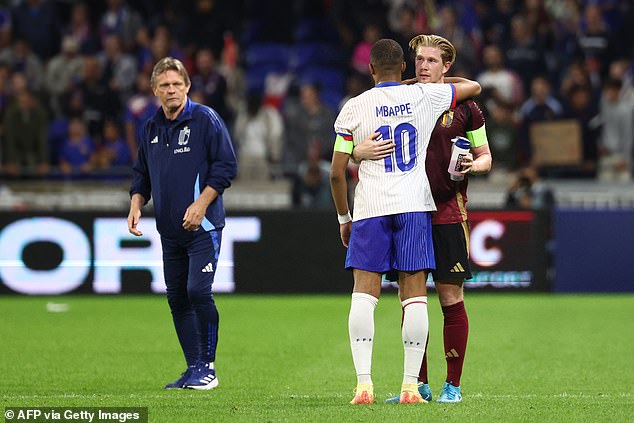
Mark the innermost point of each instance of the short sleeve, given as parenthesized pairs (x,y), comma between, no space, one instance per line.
(477,117)
(441,96)
(344,124)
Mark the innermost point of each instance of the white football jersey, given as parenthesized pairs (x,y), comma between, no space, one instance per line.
(407,114)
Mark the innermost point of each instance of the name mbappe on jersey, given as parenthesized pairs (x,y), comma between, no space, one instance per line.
(401,109)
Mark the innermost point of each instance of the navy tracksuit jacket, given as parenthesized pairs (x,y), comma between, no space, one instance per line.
(177,160)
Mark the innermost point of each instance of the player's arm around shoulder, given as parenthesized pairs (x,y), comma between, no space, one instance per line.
(373,149)
(465,88)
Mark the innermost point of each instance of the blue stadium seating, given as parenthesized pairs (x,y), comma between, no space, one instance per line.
(316,54)
(332,99)
(329,79)
(273,54)
(262,59)
(315,30)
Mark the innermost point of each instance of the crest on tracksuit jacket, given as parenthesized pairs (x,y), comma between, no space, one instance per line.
(183,136)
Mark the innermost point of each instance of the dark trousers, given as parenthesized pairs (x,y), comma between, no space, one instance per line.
(189,273)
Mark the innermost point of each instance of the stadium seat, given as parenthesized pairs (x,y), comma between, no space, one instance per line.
(252,32)
(262,59)
(304,55)
(315,30)
(255,80)
(268,54)
(329,79)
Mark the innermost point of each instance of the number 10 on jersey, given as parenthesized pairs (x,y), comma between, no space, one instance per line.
(403,133)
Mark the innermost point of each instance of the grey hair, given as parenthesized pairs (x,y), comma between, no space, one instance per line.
(169,63)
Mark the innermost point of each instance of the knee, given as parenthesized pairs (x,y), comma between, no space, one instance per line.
(198,295)
(178,301)
(449,293)
(448,298)
(367,283)
(412,285)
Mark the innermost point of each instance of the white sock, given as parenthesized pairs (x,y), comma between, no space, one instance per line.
(414,332)
(361,331)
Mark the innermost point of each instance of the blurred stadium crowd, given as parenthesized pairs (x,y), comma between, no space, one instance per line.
(74,79)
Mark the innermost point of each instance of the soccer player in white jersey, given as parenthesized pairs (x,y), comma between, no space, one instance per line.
(434,56)
(391,228)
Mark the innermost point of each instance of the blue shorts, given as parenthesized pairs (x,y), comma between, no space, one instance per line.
(399,241)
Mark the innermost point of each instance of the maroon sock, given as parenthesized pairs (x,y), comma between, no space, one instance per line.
(455,334)
(422,375)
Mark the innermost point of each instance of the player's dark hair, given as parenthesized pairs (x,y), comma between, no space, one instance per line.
(386,56)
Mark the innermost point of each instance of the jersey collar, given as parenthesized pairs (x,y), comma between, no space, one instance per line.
(387,84)
(185,114)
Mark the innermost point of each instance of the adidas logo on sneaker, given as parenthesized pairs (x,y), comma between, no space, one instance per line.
(203,377)
(208,268)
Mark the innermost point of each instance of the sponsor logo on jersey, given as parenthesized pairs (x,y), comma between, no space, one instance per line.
(154,140)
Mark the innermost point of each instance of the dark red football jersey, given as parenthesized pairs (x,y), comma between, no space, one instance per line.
(450,196)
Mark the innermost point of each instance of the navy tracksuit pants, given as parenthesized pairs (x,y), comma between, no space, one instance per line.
(189,270)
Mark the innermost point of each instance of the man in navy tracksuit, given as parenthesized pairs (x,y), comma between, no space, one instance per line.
(186,161)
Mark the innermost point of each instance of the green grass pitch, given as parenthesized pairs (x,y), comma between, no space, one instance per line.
(532,357)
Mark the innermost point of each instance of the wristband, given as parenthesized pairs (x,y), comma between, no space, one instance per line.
(344,218)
